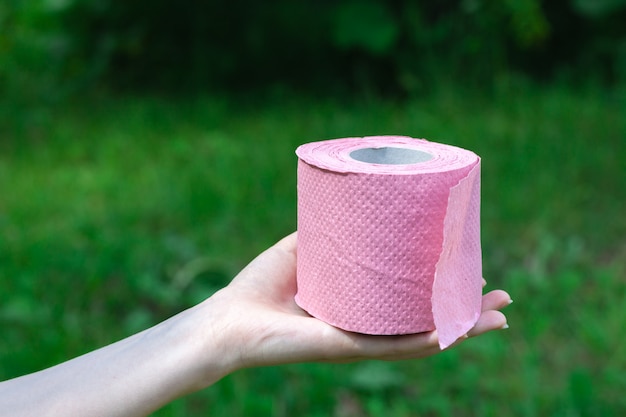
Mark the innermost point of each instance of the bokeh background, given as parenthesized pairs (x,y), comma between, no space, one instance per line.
(147,154)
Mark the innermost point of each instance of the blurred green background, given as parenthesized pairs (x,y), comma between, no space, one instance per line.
(146,155)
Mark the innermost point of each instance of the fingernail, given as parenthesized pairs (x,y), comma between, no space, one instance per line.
(510,301)
(505,326)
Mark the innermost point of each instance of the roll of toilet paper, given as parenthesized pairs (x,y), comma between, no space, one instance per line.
(389,236)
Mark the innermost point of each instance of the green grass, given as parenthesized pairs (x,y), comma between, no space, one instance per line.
(117,213)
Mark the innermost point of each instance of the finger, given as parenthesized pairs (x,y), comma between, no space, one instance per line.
(457,342)
(495,300)
(288,243)
(488,321)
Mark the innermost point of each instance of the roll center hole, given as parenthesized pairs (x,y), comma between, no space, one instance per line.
(390,156)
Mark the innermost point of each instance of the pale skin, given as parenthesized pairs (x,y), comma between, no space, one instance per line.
(252,322)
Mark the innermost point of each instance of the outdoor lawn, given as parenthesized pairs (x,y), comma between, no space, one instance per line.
(117,211)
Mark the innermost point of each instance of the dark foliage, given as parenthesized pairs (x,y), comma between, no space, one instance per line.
(399,46)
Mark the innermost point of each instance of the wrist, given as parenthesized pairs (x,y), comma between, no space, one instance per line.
(204,344)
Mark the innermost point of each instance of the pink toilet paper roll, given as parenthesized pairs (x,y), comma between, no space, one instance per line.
(389,236)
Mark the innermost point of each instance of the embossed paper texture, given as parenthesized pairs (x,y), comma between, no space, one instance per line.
(390,248)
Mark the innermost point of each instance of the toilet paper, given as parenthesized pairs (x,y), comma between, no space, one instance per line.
(389,236)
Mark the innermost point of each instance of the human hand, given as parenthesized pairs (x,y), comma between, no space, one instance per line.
(263,325)
(254,321)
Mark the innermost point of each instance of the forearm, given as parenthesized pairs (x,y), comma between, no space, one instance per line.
(254,321)
(132,377)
